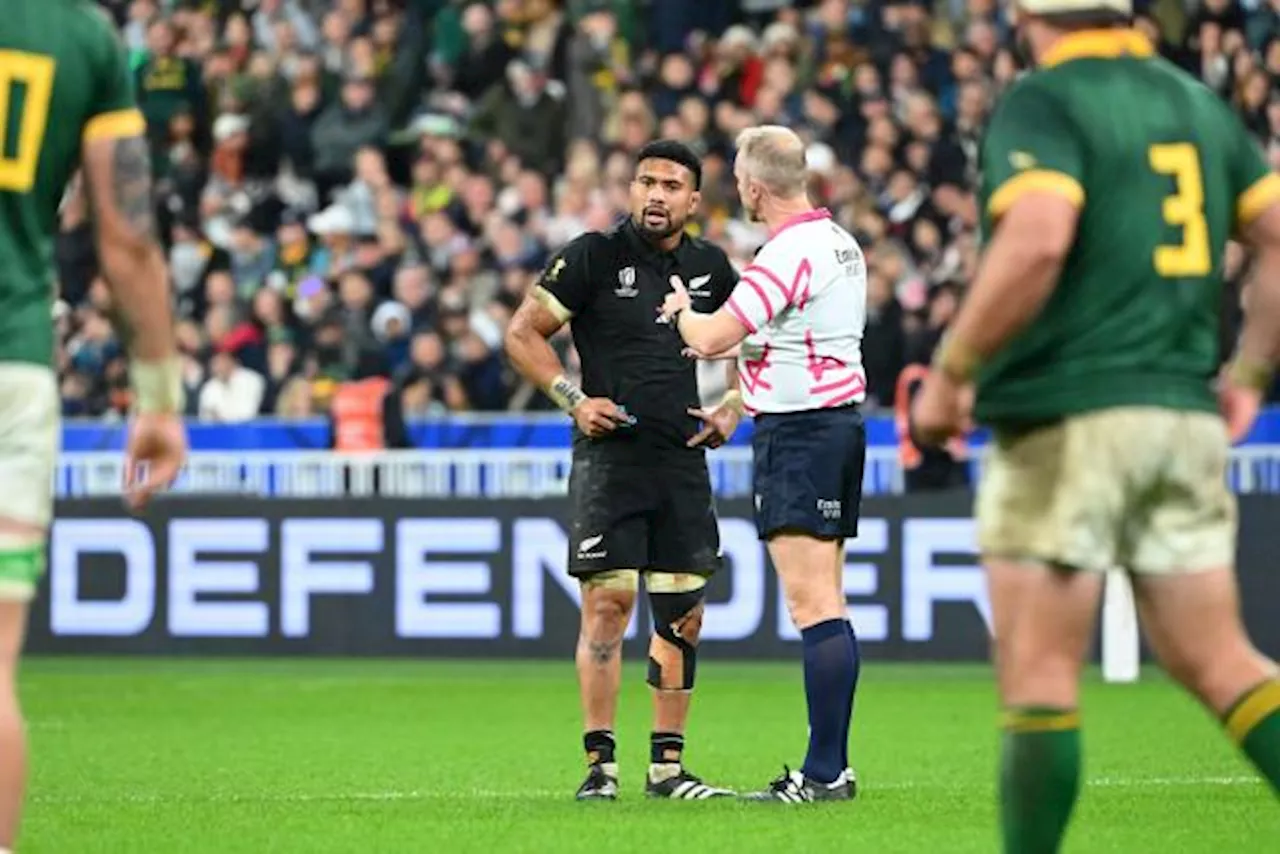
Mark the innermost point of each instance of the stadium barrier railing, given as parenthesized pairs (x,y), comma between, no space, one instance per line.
(485,473)
(467,430)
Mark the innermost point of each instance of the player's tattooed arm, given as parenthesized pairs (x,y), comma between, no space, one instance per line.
(131,186)
(117,178)
(131,194)
(532,356)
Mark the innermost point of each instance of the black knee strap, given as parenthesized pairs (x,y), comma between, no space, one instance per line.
(669,609)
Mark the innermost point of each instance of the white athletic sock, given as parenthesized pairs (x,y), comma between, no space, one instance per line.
(658,771)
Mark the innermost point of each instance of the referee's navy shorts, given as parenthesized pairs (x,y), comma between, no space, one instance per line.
(808,472)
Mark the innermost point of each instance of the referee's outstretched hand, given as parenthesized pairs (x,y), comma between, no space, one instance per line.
(599,416)
(721,422)
(676,301)
(723,355)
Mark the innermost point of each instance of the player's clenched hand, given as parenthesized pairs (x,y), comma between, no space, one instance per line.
(721,422)
(598,416)
(941,410)
(1239,405)
(156,450)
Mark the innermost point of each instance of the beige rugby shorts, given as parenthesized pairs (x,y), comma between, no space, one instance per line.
(1137,488)
(30,417)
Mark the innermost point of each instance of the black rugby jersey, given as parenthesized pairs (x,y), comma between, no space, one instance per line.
(614,282)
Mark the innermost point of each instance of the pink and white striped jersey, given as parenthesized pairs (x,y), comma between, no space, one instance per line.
(804,301)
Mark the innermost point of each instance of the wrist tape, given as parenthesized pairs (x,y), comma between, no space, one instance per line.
(157,386)
(956,360)
(565,394)
(1254,375)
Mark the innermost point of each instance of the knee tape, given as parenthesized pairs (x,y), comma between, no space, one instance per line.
(669,611)
(614,579)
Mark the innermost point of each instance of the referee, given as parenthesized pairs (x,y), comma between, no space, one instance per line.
(796,319)
(639,490)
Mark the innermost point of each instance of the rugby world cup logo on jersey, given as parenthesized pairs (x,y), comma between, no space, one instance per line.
(626,283)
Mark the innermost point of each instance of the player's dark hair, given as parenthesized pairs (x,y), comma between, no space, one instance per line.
(676,152)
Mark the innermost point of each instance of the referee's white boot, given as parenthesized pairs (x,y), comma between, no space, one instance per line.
(793,787)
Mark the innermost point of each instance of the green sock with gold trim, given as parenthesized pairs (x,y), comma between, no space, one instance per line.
(1039,778)
(1254,724)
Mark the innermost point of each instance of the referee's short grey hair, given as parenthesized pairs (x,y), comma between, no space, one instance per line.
(775,156)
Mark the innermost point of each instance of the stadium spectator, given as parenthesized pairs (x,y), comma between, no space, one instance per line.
(232,392)
(371,159)
(354,121)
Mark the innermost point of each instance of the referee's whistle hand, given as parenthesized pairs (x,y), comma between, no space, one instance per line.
(676,301)
(599,416)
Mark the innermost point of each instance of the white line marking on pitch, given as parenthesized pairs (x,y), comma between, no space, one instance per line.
(552,794)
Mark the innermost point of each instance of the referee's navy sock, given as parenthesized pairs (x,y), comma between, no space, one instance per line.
(830,673)
(857,671)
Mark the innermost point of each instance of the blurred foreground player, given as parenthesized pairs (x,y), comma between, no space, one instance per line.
(799,314)
(1112,181)
(69,102)
(639,489)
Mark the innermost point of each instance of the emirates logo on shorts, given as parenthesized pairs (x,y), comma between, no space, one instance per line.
(830,509)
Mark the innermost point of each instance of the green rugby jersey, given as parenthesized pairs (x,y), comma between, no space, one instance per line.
(1163,173)
(64,78)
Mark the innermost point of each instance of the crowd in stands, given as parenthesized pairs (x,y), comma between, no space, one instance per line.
(350,188)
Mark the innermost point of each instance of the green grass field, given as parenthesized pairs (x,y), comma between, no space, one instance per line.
(373,756)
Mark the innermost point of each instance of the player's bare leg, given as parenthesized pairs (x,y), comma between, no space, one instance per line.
(21,563)
(812,575)
(13,766)
(605,613)
(607,602)
(1044,620)
(1192,622)
(676,600)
